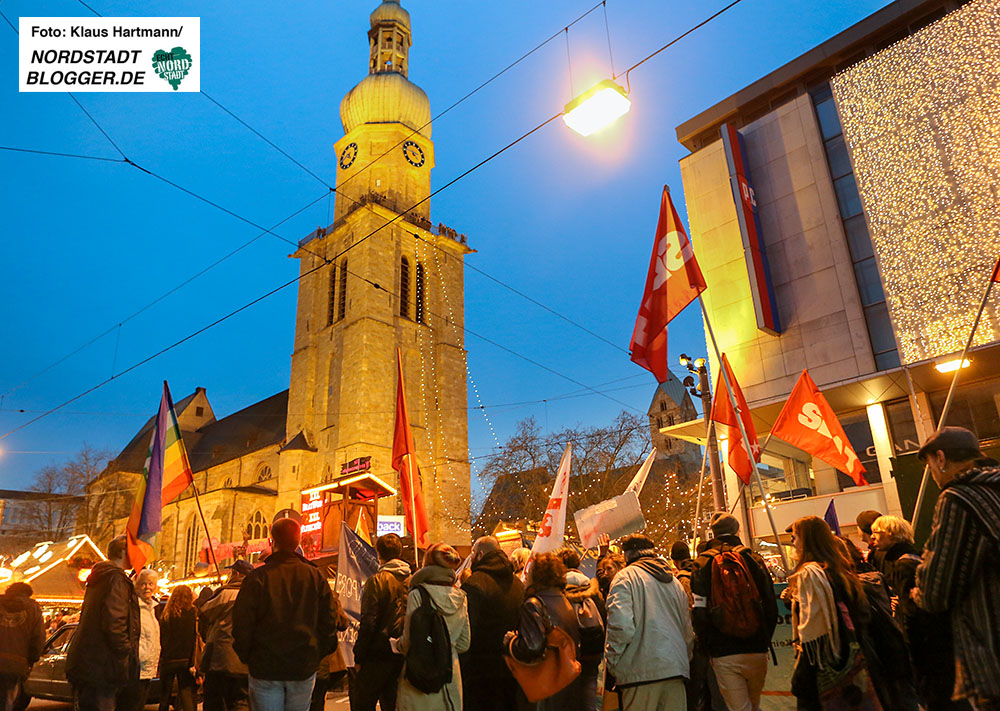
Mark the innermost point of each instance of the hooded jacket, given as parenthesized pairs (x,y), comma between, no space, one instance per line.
(960,574)
(105,649)
(282,620)
(494,597)
(716,643)
(216,628)
(450,601)
(649,626)
(383,606)
(22,634)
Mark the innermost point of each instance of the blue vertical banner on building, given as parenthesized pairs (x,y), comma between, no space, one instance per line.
(356,563)
(765,305)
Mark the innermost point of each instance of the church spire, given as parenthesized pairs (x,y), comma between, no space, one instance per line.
(389,39)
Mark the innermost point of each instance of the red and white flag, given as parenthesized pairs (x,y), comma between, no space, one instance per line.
(674,280)
(404,461)
(553,529)
(723,413)
(808,422)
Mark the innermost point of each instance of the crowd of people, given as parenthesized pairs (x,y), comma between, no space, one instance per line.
(894,628)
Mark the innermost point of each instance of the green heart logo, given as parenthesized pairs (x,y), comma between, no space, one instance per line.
(172,66)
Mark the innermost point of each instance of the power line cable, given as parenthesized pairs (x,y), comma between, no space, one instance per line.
(61,155)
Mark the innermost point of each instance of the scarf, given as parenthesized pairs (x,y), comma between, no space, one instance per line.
(817,625)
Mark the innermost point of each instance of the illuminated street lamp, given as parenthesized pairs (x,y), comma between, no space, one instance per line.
(598,107)
(701,389)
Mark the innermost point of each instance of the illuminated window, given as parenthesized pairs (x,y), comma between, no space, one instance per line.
(342,296)
(263,472)
(420,293)
(404,288)
(859,242)
(191,545)
(256,527)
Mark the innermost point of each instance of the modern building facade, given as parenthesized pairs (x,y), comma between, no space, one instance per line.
(382,277)
(872,164)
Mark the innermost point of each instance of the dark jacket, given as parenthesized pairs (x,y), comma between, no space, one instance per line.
(177,641)
(540,608)
(494,596)
(215,623)
(21,634)
(715,642)
(282,621)
(383,610)
(961,575)
(104,652)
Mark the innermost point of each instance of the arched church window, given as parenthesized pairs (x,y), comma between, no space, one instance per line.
(663,405)
(256,527)
(404,287)
(670,420)
(420,293)
(659,423)
(342,295)
(191,545)
(263,472)
(332,297)
(228,483)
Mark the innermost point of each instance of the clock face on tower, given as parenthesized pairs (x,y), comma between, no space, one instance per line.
(414,154)
(348,155)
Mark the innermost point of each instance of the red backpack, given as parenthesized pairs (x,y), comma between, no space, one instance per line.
(735,608)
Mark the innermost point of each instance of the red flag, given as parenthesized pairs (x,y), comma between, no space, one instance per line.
(404,461)
(996,272)
(674,281)
(808,422)
(722,413)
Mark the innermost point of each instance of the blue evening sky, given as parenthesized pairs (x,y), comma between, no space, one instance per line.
(566,220)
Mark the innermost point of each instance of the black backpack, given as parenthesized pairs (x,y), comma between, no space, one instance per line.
(428,658)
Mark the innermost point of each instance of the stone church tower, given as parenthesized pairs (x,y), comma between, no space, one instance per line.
(382,277)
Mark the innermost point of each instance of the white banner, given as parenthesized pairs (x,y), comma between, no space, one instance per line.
(553,528)
(640,476)
(110,54)
(616,517)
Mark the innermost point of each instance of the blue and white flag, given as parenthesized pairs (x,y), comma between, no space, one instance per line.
(356,563)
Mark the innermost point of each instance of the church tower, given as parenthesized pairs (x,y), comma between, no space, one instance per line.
(382,277)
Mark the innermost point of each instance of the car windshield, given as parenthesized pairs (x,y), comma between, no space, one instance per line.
(60,641)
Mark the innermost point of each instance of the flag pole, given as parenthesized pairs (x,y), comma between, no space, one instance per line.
(763,448)
(208,535)
(413,512)
(743,433)
(701,480)
(951,390)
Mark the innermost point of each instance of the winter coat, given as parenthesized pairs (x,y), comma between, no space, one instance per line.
(528,643)
(960,574)
(579,587)
(383,607)
(650,637)
(22,634)
(177,640)
(104,652)
(149,640)
(494,597)
(216,627)
(685,569)
(716,643)
(282,620)
(451,602)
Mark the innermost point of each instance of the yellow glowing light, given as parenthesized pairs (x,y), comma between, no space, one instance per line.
(921,120)
(6,574)
(84,574)
(950,366)
(598,107)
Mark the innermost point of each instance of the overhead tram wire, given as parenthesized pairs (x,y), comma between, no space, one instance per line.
(61,155)
(378,229)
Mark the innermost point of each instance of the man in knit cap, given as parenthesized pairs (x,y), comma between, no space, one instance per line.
(735,613)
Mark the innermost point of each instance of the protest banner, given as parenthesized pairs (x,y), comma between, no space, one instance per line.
(356,563)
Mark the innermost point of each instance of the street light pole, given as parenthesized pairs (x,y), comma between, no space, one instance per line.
(715,466)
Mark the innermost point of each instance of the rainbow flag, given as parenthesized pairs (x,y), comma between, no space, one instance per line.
(165,475)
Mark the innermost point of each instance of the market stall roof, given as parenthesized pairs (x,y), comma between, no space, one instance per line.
(57,571)
(367,484)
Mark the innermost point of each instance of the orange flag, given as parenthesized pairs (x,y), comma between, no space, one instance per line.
(723,413)
(996,272)
(808,422)
(674,280)
(404,461)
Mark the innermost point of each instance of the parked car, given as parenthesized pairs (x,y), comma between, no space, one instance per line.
(47,679)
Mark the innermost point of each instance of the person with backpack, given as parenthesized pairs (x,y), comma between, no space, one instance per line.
(650,638)
(435,632)
(960,572)
(588,604)
(495,595)
(735,612)
(377,666)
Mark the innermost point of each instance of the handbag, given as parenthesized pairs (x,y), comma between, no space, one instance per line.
(849,687)
(553,671)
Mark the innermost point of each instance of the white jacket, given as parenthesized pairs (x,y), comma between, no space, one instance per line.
(650,636)
(149,640)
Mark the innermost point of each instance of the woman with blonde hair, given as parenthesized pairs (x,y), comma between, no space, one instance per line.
(133,698)
(434,584)
(829,616)
(178,627)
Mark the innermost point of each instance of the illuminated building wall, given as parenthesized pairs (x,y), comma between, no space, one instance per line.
(922,124)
